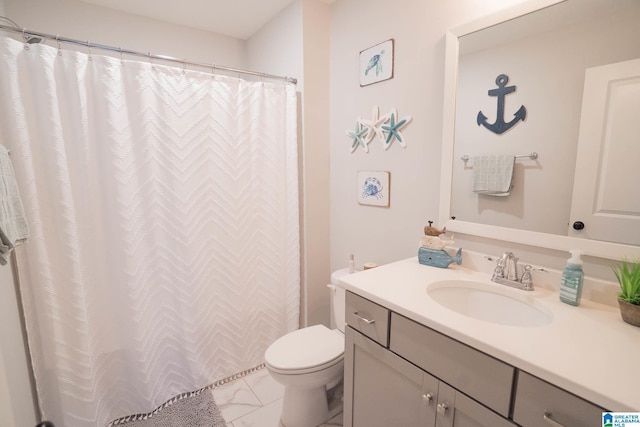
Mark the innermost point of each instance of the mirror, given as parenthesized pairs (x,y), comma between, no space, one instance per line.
(544,48)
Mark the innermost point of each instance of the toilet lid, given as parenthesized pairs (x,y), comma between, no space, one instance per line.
(305,348)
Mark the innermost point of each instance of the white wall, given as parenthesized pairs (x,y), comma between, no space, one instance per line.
(277,47)
(296,44)
(316,19)
(418,27)
(84,21)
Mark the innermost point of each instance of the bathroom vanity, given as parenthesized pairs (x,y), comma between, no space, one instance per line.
(414,358)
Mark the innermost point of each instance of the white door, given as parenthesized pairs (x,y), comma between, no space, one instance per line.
(606,188)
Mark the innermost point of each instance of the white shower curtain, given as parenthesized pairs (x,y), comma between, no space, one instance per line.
(163,208)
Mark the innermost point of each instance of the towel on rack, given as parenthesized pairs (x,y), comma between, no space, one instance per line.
(13,223)
(492,175)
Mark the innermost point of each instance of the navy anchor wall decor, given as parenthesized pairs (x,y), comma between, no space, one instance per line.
(500,126)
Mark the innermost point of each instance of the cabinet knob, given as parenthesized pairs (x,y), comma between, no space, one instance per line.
(578,225)
(427,398)
(442,408)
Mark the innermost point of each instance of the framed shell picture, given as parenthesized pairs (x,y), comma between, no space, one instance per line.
(373,188)
(376,63)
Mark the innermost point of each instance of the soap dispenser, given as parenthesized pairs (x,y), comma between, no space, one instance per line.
(572,276)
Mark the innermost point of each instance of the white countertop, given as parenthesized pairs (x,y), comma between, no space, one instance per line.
(588,350)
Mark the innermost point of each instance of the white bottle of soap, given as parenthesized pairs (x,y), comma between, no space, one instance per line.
(572,277)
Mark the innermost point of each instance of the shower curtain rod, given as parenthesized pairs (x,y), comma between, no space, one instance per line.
(29,33)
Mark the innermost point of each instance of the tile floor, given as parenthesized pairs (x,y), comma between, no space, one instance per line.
(254,401)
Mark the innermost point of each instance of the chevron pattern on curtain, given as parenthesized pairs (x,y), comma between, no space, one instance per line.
(163,207)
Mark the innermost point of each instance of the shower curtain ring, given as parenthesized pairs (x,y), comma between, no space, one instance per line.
(58,42)
(24,37)
(89,47)
(121,59)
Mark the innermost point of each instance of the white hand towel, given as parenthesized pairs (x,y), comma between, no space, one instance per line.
(13,223)
(492,175)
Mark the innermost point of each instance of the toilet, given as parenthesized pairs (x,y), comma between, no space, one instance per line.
(309,363)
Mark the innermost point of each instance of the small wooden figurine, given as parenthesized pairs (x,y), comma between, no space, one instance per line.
(431,251)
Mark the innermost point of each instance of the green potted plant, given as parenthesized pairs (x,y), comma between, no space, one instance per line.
(628,275)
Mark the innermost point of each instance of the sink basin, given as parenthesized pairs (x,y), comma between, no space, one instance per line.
(480,301)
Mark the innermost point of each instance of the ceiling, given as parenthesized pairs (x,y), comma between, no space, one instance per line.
(235,18)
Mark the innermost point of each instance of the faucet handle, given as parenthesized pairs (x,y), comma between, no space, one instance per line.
(498,271)
(527,278)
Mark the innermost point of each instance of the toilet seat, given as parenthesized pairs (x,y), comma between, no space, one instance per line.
(306,350)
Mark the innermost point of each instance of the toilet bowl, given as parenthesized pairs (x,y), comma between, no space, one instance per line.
(309,363)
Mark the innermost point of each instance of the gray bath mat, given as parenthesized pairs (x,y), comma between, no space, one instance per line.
(194,409)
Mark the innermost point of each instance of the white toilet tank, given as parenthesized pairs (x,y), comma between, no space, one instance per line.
(338,296)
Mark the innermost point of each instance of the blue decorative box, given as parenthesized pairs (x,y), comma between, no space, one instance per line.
(438,257)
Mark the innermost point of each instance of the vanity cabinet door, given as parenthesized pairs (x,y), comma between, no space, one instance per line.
(382,390)
(469,413)
(454,409)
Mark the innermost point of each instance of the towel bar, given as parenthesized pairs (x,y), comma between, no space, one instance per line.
(532,156)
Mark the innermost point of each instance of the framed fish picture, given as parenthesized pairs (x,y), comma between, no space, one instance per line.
(376,63)
(373,188)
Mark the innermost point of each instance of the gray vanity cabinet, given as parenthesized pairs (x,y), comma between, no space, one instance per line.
(383,389)
(400,373)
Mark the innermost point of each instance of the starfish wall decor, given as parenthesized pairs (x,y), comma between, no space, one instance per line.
(387,128)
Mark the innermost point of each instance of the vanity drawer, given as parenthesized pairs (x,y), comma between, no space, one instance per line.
(535,397)
(368,318)
(482,377)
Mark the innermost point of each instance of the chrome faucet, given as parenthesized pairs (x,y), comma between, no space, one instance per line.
(506,273)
